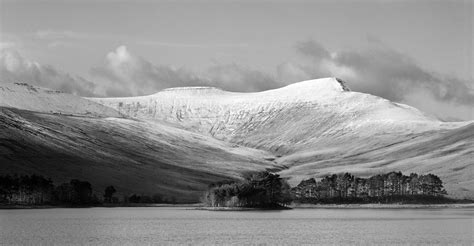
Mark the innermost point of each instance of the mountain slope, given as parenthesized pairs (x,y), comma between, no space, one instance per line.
(28,97)
(179,140)
(68,137)
(317,127)
(134,156)
(284,120)
(449,154)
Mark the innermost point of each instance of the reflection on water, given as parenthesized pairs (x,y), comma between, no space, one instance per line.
(188,226)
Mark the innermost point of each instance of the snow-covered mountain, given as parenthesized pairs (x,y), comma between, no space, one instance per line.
(311,128)
(28,97)
(284,120)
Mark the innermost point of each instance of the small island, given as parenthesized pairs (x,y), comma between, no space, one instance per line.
(260,190)
(265,190)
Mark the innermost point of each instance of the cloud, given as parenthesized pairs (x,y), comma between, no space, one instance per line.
(234,77)
(190,45)
(6,45)
(445,110)
(378,70)
(15,68)
(57,38)
(313,50)
(55,34)
(125,74)
(384,72)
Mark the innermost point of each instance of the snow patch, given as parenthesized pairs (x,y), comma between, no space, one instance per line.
(27,97)
(299,115)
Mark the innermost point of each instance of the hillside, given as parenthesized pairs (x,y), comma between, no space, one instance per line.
(299,116)
(136,156)
(318,127)
(28,97)
(179,140)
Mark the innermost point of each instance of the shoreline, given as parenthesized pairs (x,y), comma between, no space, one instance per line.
(131,205)
(198,206)
(382,206)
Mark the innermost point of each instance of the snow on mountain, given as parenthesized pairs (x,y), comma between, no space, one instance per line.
(317,127)
(136,156)
(65,137)
(181,139)
(300,115)
(28,97)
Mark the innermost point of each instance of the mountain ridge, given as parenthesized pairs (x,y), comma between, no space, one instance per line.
(310,106)
(179,140)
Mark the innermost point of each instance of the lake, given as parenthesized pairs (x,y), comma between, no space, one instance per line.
(177,225)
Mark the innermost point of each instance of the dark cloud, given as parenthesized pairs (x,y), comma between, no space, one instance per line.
(15,68)
(392,75)
(125,74)
(377,70)
(233,77)
(384,72)
(313,49)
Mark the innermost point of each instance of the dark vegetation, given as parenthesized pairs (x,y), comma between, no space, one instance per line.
(256,190)
(268,190)
(38,190)
(393,187)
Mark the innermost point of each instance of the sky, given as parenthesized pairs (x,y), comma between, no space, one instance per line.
(414,52)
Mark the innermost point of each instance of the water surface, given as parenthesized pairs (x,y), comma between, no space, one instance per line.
(132,226)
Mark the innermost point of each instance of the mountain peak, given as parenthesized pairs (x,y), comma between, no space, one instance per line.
(342,83)
(192,90)
(331,84)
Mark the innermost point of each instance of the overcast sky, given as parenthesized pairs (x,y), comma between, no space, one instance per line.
(415,52)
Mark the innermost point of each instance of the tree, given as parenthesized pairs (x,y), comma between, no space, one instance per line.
(393,182)
(389,187)
(414,184)
(157,198)
(260,189)
(109,193)
(134,198)
(431,185)
(82,192)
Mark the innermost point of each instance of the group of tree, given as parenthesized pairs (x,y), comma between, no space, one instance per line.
(38,190)
(26,189)
(389,187)
(257,190)
(144,199)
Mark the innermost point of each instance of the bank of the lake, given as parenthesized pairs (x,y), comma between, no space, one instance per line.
(384,206)
(200,206)
(111,205)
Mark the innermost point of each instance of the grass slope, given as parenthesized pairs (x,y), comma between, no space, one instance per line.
(448,154)
(135,156)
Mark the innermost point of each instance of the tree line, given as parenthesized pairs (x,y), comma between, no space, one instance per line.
(38,190)
(258,189)
(389,187)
